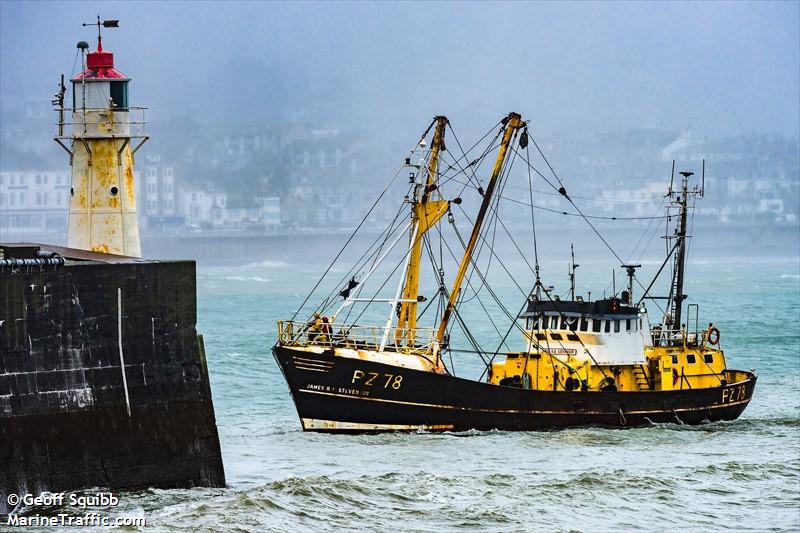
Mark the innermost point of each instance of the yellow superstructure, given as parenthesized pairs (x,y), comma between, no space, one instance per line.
(676,367)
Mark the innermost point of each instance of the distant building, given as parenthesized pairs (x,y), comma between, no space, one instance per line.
(270,211)
(34,201)
(203,206)
(243,212)
(157,202)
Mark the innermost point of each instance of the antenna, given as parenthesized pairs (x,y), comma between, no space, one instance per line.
(58,102)
(703,180)
(614,281)
(572,268)
(671,178)
(83,46)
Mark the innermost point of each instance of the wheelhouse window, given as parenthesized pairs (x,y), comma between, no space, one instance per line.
(584,324)
(690,358)
(608,326)
(708,358)
(616,326)
(545,322)
(674,359)
(628,324)
(572,323)
(596,323)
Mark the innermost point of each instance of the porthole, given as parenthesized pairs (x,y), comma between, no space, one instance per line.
(114,191)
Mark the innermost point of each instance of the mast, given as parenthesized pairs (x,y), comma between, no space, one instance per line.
(511,123)
(424,214)
(572,268)
(680,256)
(631,269)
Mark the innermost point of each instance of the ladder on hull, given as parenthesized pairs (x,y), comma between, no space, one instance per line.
(640,376)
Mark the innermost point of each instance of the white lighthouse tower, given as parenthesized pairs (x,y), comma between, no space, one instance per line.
(106,133)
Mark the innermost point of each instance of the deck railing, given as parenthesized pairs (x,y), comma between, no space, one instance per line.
(679,337)
(356,337)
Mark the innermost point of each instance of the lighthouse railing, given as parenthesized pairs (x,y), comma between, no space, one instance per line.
(92,118)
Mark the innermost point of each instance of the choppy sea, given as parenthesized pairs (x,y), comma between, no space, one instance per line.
(742,475)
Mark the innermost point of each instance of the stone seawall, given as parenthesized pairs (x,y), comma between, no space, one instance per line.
(103,380)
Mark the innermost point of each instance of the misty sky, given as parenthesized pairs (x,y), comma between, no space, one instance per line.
(716,68)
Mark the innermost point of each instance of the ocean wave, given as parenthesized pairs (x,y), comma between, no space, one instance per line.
(746,471)
(536,494)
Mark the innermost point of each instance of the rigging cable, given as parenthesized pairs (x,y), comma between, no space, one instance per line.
(358,227)
(533,217)
(494,204)
(327,270)
(360,263)
(563,192)
(480,302)
(559,212)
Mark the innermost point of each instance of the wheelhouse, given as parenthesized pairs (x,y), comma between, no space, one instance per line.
(609,331)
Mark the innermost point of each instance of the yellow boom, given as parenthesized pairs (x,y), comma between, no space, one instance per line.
(512,123)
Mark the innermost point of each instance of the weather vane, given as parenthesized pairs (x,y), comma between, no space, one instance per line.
(104,24)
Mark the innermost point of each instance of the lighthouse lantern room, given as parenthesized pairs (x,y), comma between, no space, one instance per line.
(106,133)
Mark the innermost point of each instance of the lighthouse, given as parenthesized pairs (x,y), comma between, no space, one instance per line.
(106,133)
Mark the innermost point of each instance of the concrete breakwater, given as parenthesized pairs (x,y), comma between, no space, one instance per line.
(103,379)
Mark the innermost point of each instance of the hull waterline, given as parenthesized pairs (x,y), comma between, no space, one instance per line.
(341,395)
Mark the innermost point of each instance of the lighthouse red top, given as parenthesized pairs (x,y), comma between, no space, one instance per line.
(100,65)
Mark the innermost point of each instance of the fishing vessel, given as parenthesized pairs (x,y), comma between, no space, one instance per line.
(582,362)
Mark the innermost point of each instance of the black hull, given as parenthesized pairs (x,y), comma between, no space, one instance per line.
(343,395)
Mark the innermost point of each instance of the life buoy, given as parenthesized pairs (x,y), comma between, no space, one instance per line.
(713,336)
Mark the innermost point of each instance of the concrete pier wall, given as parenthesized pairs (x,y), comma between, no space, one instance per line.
(103,380)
